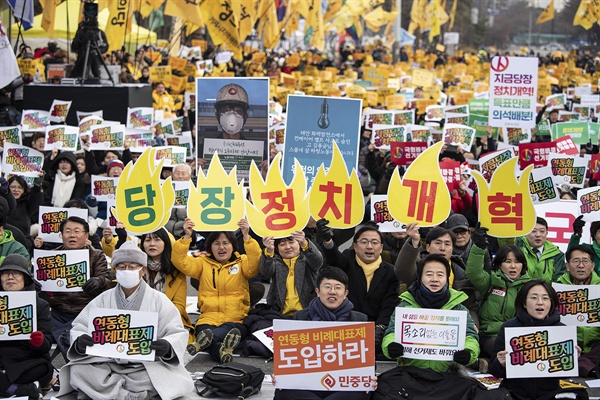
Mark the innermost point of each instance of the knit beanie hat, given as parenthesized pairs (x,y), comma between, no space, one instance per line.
(114,163)
(129,252)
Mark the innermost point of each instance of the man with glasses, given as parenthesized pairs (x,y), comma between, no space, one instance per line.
(372,287)
(97,377)
(66,305)
(580,271)
(544,258)
(458,224)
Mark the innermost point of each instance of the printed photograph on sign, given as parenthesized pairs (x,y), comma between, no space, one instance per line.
(18,315)
(541,351)
(61,270)
(578,305)
(232,109)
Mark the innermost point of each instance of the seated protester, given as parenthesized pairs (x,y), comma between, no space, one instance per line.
(24,239)
(28,203)
(432,290)
(373,286)
(114,169)
(437,241)
(24,362)
(536,306)
(181,173)
(544,259)
(223,293)
(498,288)
(109,242)
(8,244)
(62,181)
(578,225)
(580,271)
(459,224)
(67,305)
(331,304)
(163,276)
(292,264)
(107,378)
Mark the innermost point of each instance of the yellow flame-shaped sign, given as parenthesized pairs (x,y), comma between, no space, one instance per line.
(217,202)
(422,196)
(277,209)
(337,195)
(505,206)
(143,205)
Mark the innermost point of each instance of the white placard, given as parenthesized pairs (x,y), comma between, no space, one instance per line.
(50,218)
(541,352)
(589,203)
(560,217)
(62,137)
(107,136)
(108,326)
(430,334)
(139,117)
(104,188)
(265,336)
(18,315)
(172,155)
(59,110)
(21,160)
(10,134)
(182,193)
(61,270)
(578,305)
(567,171)
(383,135)
(380,214)
(183,140)
(34,120)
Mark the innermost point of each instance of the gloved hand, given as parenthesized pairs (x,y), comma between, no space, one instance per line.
(395,350)
(578,225)
(91,201)
(36,339)
(323,231)
(82,343)
(462,357)
(161,347)
(379,333)
(94,284)
(121,234)
(479,237)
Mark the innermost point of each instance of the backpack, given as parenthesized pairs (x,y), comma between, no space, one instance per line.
(232,379)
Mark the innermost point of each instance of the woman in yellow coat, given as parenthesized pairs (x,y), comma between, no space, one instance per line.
(223,294)
(163,276)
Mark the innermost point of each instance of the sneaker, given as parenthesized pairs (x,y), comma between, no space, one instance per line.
(202,342)
(27,390)
(231,341)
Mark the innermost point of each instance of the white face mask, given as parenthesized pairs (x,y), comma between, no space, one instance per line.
(128,279)
(231,122)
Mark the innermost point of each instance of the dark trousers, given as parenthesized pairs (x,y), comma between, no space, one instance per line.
(589,360)
(40,372)
(219,333)
(61,330)
(288,394)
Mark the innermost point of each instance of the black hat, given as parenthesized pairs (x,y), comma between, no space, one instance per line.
(457,221)
(17,262)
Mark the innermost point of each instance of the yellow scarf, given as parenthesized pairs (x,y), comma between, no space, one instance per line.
(291,303)
(369,269)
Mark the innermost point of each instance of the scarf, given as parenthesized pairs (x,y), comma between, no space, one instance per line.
(154,277)
(63,188)
(553,318)
(134,301)
(426,298)
(369,269)
(318,312)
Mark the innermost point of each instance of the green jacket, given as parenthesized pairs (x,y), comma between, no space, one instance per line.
(574,241)
(8,245)
(585,334)
(498,293)
(550,265)
(471,342)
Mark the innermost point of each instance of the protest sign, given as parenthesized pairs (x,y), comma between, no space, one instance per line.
(406,153)
(122,334)
(430,334)
(577,130)
(265,336)
(513,91)
(21,160)
(162,74)
(479,107)
(62,137)
(171,155)
(139,117)
(417,133)
(541,351)
(59,110)
(566,116)
(107,136)
(589,99)
(543,128)
(138,139)
(18,315)
(556,101)
(428,201)
(183,140)
(535,154)
(565,145)
(459,135)
(337,356)
(35,120)
(86,123)
(380,214)
(50,218)
(61,270)
(583,111)
(383,135)
(377,76)
(434,113)
(404,117)
(588,200)
(378,117)
(541,186)
(578,305)
(164,127)
(560,216)
(182,193)
(567,171)
(422,77)
(190,101)
(454,118)
(9,134)
(83,114)
(514,136)
(104,187)
(234,153)
(491,161)
(480,124)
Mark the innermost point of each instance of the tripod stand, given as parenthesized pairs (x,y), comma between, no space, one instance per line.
(92,43)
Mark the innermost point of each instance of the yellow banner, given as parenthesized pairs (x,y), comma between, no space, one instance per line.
(178,63)
(422,78)
(117,23)
(221,24)
(186,10)
(161,74)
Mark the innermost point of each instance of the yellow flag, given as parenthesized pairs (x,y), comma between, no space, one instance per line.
(435,20)
(314,34)
(584,16)
(417,13)
(379,17)
(452,14)
(48,16)
(244,15)
(547,14)
(268,24)
(187,11)
(332,9)
(221,24)
(117,23)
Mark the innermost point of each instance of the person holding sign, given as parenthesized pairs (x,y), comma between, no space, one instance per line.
(292,264)
(62,181)
(578,225)
(108,378)
(24,362)
(544,259)
(432,290)
(499,287)
(580,271)
(223,292)
(535,306)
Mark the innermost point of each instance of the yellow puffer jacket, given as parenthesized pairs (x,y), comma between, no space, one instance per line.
(223,294)
(176,291)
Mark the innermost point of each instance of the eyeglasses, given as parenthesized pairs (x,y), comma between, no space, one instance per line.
(460,233)
(586,262)
(16,187)
(73,232)
(128,267)
(224,243)
(9,272)
(336,288)
(365,242)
